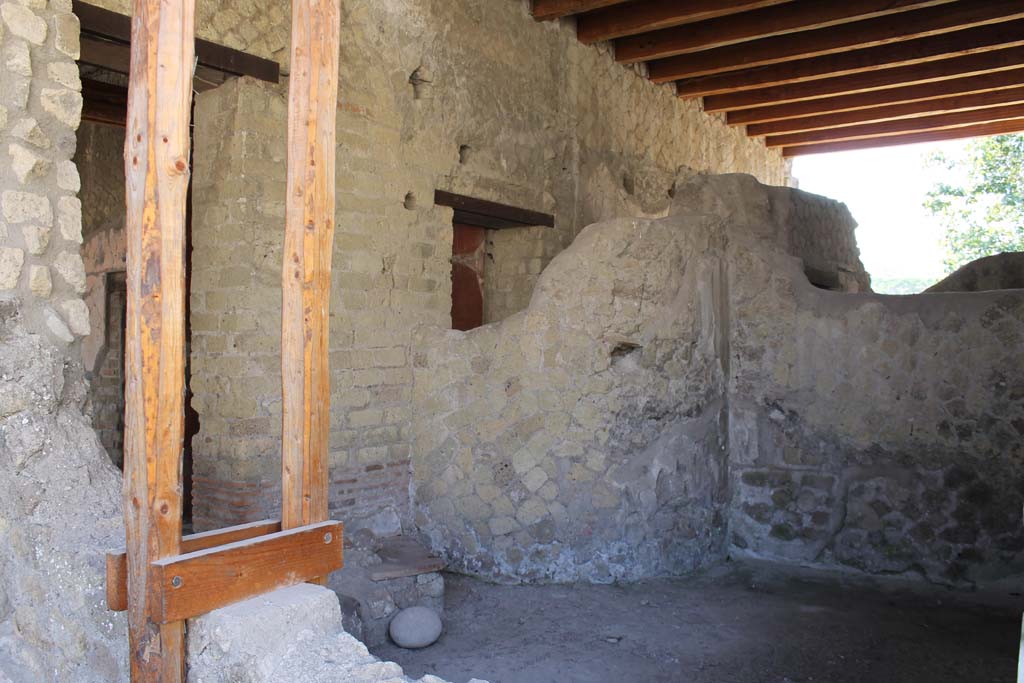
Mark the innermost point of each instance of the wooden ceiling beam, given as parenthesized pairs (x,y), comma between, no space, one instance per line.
(890,112)
(917,23)
(979,130)
(544,10)
(980,83)
(899,126)
(958,43)
(800,15)
(869,80)
(637,17)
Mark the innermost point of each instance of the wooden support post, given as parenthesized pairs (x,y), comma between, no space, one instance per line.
(306,276)
(157,174)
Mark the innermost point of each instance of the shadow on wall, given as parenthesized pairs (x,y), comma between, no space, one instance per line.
(678,390)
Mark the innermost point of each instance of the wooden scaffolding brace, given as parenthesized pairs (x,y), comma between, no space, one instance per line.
(163,579)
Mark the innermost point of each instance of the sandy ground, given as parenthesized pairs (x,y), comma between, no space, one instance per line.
(739,623)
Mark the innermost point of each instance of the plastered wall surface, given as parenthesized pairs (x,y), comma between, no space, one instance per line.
(470,97)
(677,389)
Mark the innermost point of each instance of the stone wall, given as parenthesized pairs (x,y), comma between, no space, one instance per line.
(99,158)
(472,97)
(59,493)
(882,433)
(999,271)
(674,378)
(578,439)
(513,262)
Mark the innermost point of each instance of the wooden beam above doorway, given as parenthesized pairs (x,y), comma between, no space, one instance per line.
(491,215)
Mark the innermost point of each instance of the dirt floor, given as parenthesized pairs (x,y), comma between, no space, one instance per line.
(736,624)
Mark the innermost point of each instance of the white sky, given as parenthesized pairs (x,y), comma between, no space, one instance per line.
(885,189)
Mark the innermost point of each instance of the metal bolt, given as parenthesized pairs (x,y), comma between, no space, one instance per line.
(328,537)
(176,582)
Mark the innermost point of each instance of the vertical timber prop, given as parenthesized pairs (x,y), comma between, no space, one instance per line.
(160,578)
(157,176)
(306,275)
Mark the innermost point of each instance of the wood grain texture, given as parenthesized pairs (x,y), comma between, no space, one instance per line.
(544,10)
(306,275)
(979,130)
(985,82)
(504,215)
(99,23)
(199,582)
(117,561)
(833,39)
(968,41)
(890,112)
(869,80)
(157,177)
(899,126)
(789,19)
(637,17)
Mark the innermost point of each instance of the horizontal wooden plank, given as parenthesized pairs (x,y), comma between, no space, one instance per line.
(969,41)
(789,19)
(117,564)
(636,17)
(889,112)
(199,582)
(899,126)
(114,27)
(917,23)
(986,82)
(503,215)
(942,69)
(979,130)
(114,56)
(544,10)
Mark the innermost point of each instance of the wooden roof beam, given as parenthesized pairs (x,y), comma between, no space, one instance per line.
(987,82)
(623,20)
(869,80)
(544,10)
(841,38)
(979,130)
(899,126)
(770,21)
(969,41)
(890,112)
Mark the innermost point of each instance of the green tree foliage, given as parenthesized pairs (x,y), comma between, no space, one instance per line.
(983,214)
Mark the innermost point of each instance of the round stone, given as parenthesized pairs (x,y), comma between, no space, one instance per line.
(415,627)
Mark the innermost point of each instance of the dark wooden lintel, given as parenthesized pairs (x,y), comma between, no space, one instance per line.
(114,28)
(486,214)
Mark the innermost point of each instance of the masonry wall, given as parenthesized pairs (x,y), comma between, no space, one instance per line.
(882,433)
(99,158)
(472,97)
(59,492)
(678,390)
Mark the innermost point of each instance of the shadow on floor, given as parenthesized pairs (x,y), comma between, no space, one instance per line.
(739,623)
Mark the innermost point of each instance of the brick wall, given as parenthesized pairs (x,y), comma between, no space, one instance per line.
(419,110)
